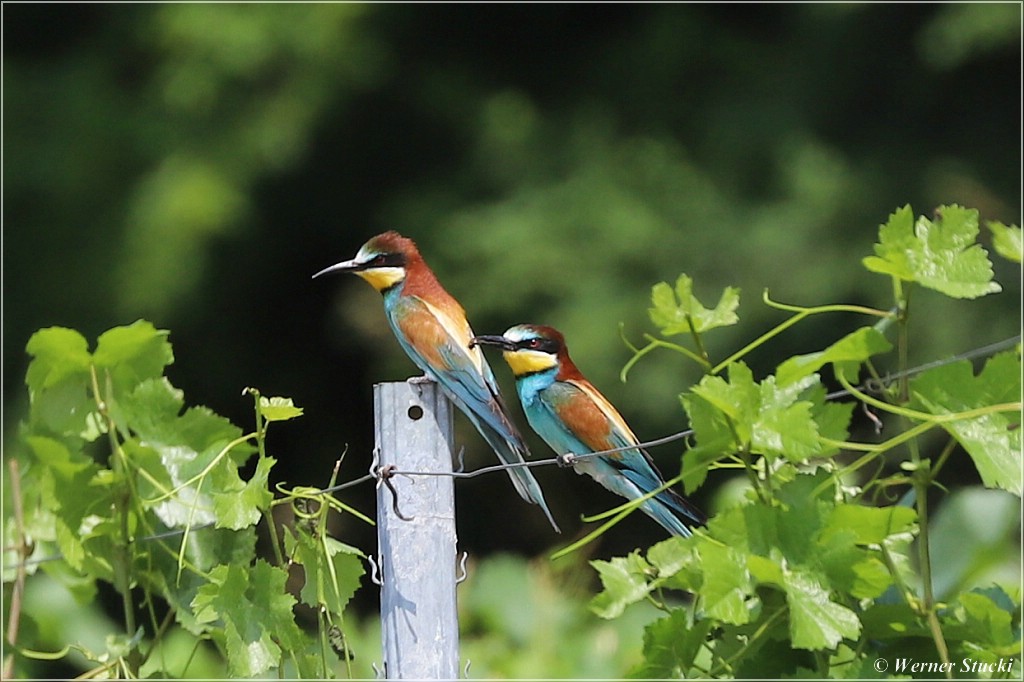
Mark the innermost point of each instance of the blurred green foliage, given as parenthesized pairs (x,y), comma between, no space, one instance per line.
(194,164)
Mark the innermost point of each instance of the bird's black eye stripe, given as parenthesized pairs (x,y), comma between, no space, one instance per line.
(386,260)
(543,345)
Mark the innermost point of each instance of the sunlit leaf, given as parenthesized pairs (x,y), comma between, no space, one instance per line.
(319,588)
(680,312)
(850,568)
(816,622)
(58,380)
(856,346)
(993,439)
(941,254)
(57,352)
(133,353)
(1006,240)
(625,581)
(869,525)
(255,611)
(763,417)
(279,409)
(987,624)
(670,646)
(238,508)
(726,583)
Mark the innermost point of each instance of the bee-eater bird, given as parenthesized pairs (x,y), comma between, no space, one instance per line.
(433,330)
(573,417)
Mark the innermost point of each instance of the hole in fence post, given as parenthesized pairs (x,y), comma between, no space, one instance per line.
(415,412)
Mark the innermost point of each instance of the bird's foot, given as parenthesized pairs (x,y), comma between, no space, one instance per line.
(419,380)
(567,460)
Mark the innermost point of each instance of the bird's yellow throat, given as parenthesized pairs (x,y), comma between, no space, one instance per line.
(382,278)
(529,361)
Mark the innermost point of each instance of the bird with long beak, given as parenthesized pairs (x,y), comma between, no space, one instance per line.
(432,328)
(573,417)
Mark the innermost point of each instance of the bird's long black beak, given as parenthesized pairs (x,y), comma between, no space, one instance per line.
(344,266)
(499,341)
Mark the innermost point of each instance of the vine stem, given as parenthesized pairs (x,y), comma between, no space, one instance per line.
(123,553)
(14,616)
(922,478)
(739,653)
(801,313)
(261,437)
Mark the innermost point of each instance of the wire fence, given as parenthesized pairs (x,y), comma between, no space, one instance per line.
(383,475)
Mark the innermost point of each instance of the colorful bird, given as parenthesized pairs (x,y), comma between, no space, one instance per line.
(432,328)
(573,417)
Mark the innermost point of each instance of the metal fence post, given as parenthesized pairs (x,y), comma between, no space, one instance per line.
(419,622)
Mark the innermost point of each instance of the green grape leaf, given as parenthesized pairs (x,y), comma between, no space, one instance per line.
(992,440)
(206,548)
(58,381)
(192,450)
(68,489)
(319,588)
(668,557)
(57,353)
(713,437)
(670,646)
(58,458)
(344,578)
(736,398)
(765,570)
(869,525)
(236,508)
(625,582)
(850,568)
(851,665)
(133,353)
(802,516)
(255,609)
(676,564)
(279,409)
(766,418)
(857,346)
(1006,240)
(832,418)
(785,425)
(892,622)
(988,625)
(815,621)
(680,312)
(726,583)
(200,428)
(151,410)
(941,254)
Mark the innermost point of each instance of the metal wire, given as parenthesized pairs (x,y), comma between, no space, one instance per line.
(382,475)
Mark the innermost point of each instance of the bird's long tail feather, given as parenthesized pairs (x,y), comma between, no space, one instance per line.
(522,478)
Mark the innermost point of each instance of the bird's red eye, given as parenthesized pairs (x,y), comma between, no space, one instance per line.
(533,343)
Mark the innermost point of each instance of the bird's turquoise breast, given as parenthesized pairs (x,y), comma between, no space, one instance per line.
(540,395)
(530,386)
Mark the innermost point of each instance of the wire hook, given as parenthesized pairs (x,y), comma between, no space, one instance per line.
(384,475)
(376,575)
(375,462)
(871,415)
(462,567)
